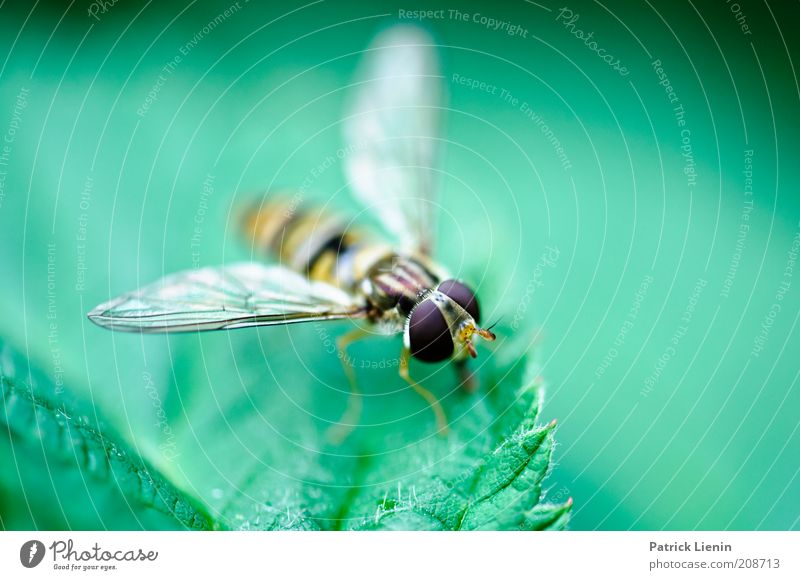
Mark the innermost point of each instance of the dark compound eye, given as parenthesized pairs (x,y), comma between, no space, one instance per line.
(463,296)
(428,333)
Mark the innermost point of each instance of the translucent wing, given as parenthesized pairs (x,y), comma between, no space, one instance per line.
(392,133)
(228,297)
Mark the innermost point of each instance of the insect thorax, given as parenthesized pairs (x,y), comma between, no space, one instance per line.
(398,282)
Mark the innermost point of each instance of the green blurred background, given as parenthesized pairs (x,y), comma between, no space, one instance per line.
(653,261)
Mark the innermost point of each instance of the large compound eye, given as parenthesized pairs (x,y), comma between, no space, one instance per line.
(462,296)
(428,333)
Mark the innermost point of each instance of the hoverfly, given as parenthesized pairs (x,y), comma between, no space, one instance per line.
(327,271)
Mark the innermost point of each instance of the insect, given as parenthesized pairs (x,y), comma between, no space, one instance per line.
(328,271)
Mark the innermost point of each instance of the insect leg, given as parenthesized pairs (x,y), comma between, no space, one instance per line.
(347,422)
(466,378)
(436,406)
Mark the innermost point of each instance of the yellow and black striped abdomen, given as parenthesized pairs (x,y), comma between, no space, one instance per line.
(309,240)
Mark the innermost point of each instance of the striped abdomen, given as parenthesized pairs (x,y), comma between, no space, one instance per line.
(311,241)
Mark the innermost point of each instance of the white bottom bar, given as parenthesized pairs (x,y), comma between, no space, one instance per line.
(402,555)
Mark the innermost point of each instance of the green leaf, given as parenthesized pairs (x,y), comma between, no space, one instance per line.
(249,423)
(68,473)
